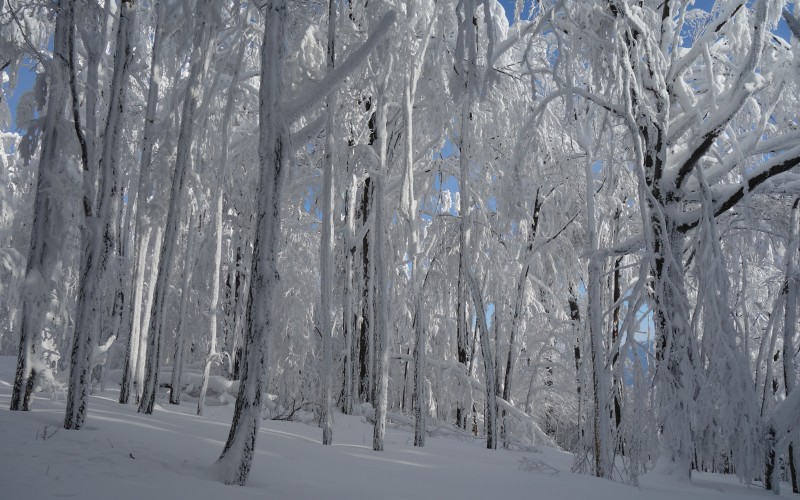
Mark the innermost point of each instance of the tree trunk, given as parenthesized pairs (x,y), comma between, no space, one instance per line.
(138,381)
(134,326)
(48,229)
(518,306)
(674,351)
(790,322)
(365,326)
(420,401)
(326,244)
(351,379)
(177,360)
(218,211)
(214,304)
(488,364)
(234,462)
(380,279)
(134,337)
(103,236)
(462,328)
(199,62)
(601,426)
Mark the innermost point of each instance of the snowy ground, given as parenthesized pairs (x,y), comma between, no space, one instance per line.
(124,455)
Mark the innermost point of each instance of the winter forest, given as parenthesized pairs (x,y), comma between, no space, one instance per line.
(542,228)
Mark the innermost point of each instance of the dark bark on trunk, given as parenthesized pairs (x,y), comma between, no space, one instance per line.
(364,368)
(616,382)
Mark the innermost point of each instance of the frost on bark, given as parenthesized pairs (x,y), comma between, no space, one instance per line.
(233,464)
(380,275)
(351,381)
(409,208)
(199,62)
(177,360)
(212,354)
(134,330)
(365,325)
(326,244)
(142,227)
(488,364)
(48,228)
(420,344)
(601,446)
(790,293)
(790,324)
(104,235)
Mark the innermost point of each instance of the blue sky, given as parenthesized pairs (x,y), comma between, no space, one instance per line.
(26,75)
(782,30)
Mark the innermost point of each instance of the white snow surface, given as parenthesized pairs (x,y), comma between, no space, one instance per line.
(124,455)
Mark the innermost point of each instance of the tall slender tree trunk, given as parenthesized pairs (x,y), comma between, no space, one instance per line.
(326,244)
(790,322)
(214,304)
(47,232)
(365,325)
(467,40)
(177,359)
(138,380)
(129,374)
(616,295)
(420,400)
(234,462)
(103,237)
(218,229)
(600,424)
(199,62)
(488,363)
(134,337)
(351,379)
(380,278)
(519,304)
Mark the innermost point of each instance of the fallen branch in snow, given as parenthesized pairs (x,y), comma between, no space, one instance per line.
(45,435)
(536,465)
(273,411)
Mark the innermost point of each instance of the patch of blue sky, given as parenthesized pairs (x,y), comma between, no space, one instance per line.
(26,77)
(782,30)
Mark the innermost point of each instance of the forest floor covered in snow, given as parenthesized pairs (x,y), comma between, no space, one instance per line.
(124,455)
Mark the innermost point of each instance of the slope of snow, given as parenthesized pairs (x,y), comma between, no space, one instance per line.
(124,455)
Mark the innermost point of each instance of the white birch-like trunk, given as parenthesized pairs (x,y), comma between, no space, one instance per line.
(214,305)
(419,398)
(199,62)
(177,360)
(601,425)
(420,401)
(135,336)
(326,244)
(138,380)
(212,354)
(381,313)
(468,66)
